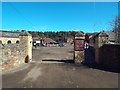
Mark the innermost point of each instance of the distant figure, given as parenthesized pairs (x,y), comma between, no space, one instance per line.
(35,45)
(60,42)
(86,41)
(61,45)
(43,42)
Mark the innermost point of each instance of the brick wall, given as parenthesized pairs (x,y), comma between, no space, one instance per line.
(11,55)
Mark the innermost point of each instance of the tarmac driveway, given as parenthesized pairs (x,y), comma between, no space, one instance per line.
(55,74)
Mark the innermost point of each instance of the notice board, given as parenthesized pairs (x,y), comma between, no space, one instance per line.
(79,44)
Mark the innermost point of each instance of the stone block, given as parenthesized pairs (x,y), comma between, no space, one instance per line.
(79,56)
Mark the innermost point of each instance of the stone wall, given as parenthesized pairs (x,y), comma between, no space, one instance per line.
(78,56)
(109,56)
(15,54)
(11,55)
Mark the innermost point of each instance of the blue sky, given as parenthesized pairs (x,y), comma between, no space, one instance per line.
(58,16)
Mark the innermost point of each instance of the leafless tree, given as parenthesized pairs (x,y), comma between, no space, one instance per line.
(116,28)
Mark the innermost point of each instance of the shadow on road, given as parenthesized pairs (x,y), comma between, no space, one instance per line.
(89,61)
(64,61)
(71,51)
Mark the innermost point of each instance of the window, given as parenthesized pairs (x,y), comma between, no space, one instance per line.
(0,42)
(9,42)
(17,41)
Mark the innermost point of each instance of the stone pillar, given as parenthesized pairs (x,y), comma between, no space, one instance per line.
(26,43)
(100,40)
(79,48)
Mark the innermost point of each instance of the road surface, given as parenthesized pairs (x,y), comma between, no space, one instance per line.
(45,71)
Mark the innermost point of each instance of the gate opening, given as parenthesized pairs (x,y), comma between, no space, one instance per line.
(27,60)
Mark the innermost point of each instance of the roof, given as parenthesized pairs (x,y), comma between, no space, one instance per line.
(13,34)
(100,34)
(9,34)
(25,34)
(111,35)
(36,38)
(79,34)
(48,40)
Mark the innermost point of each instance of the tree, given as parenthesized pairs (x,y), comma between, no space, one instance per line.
(116,28)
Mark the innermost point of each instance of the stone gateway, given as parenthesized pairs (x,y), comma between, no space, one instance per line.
(16,49)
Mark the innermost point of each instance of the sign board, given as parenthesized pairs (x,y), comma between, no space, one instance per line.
(37,41)
(79,44)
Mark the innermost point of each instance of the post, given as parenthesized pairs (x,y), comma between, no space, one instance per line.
(79,48)
(100,40)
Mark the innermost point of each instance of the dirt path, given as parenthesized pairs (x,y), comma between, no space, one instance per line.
(38,74)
